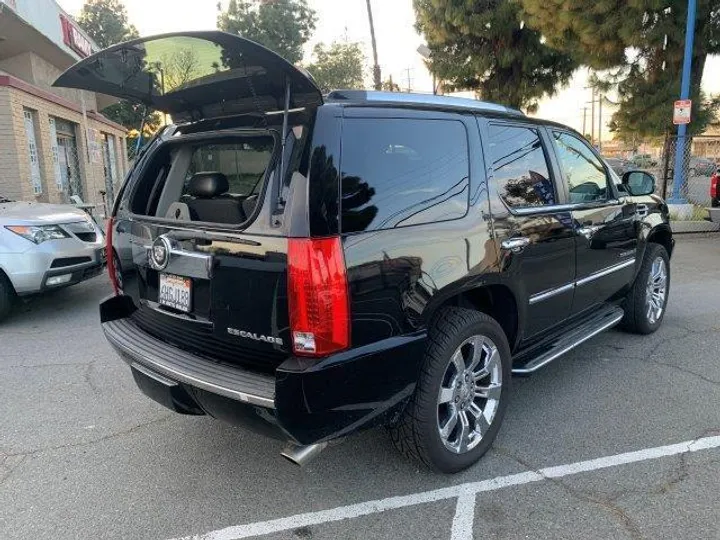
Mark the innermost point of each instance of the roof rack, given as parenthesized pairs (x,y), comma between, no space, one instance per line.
(402,98)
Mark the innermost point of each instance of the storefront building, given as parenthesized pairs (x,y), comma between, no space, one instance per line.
(54,144)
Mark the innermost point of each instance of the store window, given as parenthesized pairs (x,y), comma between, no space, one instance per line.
(110,167)
(35,176)
(67,169)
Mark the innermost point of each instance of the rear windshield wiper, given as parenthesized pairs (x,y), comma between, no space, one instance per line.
(199,234)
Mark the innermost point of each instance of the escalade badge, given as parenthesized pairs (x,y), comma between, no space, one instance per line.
(159,253)
(253,335)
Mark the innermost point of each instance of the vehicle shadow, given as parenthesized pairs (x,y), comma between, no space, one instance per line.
(79,300)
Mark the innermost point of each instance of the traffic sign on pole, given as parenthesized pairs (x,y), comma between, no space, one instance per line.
(677,197)
(681,112)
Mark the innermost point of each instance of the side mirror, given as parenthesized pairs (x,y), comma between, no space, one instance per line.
(639,183)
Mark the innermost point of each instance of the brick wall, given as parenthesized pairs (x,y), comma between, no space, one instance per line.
(9,171)
(15,178)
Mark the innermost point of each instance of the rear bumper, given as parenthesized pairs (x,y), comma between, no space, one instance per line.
(137,347)
(304,401)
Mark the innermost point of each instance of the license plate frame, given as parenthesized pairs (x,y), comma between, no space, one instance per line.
(175,292)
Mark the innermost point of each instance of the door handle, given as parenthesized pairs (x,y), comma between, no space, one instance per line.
(516,244)
(641,210)
(589,230)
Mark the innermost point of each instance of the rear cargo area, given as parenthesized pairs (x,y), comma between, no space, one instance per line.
(206,178)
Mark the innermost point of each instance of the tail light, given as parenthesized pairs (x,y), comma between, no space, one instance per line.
(109,256)
(715,185)
(318,296)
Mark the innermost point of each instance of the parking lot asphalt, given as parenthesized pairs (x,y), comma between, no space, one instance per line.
(83,454)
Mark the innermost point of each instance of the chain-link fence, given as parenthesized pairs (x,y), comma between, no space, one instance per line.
(700,160)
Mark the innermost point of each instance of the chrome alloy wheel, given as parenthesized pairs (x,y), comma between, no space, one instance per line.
(656,293)
(469,394)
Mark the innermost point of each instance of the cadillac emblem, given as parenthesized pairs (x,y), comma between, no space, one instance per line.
(159,255)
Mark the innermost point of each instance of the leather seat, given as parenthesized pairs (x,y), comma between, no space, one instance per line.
(210,200)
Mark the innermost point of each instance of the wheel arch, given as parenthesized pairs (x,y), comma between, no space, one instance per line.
(661,234)
(4,275)
(495,300)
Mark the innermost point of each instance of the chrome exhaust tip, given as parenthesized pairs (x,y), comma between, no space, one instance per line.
(301,455)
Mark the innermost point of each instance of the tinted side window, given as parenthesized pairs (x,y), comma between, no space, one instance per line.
(399,172)
(520,170)
(583,170)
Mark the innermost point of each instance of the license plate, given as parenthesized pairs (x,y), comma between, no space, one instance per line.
(175,292)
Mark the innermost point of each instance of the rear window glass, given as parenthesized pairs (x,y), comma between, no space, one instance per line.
(243,163)
(400,172)
(520,169)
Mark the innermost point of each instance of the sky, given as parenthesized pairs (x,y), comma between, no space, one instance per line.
(397,43)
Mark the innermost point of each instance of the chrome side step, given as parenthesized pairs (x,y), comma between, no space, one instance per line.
(542,354)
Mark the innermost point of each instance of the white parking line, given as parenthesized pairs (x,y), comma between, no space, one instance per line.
(462,523)
(462,526)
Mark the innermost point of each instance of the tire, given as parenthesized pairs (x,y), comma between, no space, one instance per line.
(417,434)
(118,269)
(7,296)
(639,319)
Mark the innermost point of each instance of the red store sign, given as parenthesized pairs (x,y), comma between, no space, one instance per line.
(73,38)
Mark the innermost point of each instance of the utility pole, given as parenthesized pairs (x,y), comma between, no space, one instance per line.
(600,123)
(409,80)
(584,129)
(684,94)
(377,79)
(592,118)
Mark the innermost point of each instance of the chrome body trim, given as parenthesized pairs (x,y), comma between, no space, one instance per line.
(539,297)
(180,262)
(558,208)
(544,295)
(604,272)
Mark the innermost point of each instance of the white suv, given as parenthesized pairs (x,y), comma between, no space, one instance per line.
(45,246)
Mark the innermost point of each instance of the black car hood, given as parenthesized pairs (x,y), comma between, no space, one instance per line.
(194,75)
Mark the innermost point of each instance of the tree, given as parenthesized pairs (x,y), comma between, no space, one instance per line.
(390,86)
(283,26)
(641,43)
(341,65)
(178,68)
(106,22)
(485,46)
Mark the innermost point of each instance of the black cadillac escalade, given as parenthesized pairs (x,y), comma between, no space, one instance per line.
(315,265)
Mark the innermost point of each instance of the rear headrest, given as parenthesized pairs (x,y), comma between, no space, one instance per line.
(208,184)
